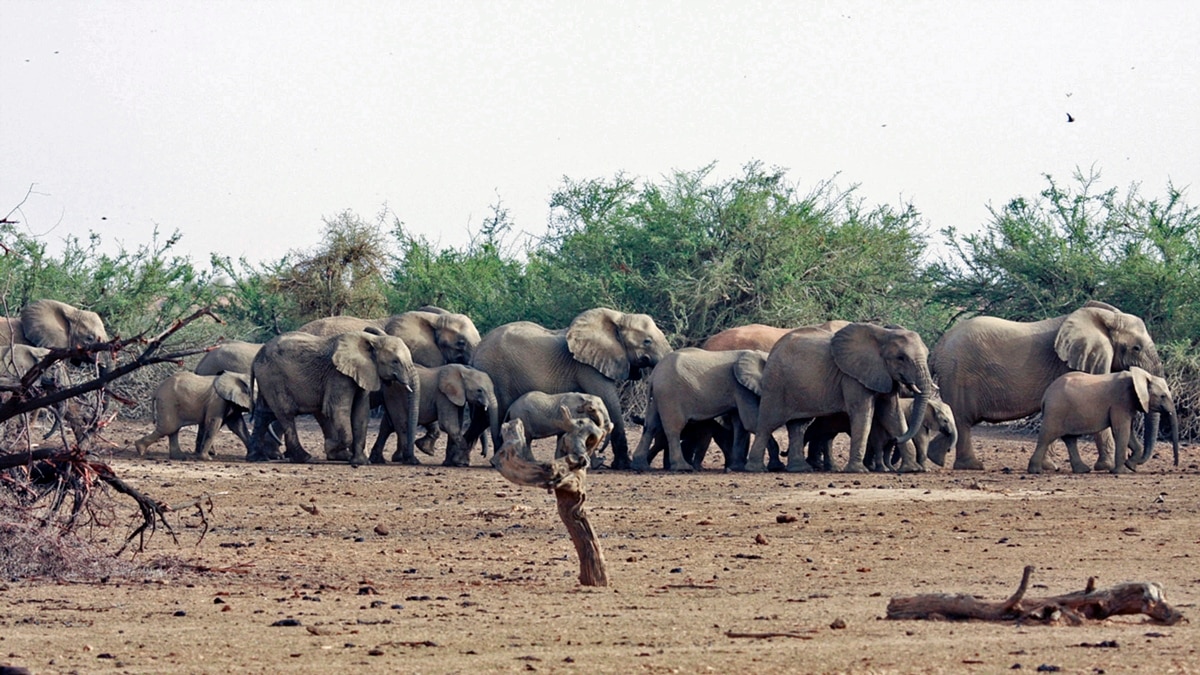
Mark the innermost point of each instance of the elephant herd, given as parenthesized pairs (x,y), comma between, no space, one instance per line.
(1089,372)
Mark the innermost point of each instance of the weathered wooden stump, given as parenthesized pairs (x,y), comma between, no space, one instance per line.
(1073,608)
(565,476)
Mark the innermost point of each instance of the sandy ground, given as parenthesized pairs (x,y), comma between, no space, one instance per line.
(326,568)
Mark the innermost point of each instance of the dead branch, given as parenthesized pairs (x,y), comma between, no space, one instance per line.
(771,634)
(566,478)
(1073,608)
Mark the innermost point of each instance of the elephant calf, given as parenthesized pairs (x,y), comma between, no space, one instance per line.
(184,399)
(448,394)
(541,417)
(1078,404)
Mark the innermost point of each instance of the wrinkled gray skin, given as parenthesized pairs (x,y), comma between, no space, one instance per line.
(541,415)
(330,378)
(433,338)
(54,325)
(600,348)
(448,394)
(18,359)
(994,370)
(1082,403)
(233,356)
(933,439)
(812,373)
(210,401)
(694,385)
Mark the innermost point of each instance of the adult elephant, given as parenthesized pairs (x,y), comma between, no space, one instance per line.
(433,338)
(601,348)
(994,370)
(695,385)
(813,372)
(331,379)
(233,356)
(53,325)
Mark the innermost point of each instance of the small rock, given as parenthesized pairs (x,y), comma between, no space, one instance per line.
(381,530)
(367,590)
(287,622)
(1047,668)
(838,624)
(180,613)
(785,518)
(761,539)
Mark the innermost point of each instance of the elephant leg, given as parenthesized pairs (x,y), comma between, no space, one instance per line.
(264,441)
(294,452)
(724,439)
(1077,463)
(675,451)
(797,462)
(174,451)
(860,429)
(641,456)
(1121,430)
(206,436)
(820,453)
(1104,451)
(146,441)
(428,442)
(237,424)
(964,454)
(770,418)
(385,433)
(1037,461)
(360,416)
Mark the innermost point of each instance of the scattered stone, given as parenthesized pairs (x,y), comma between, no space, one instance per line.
(287,622)
(367,590)
(761,539)
(838,623)
(785,518)
(180,613)
(381,530)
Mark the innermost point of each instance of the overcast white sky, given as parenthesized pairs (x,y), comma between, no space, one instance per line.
(242,123)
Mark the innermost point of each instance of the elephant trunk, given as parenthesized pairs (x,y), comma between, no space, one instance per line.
(920,403)
(493,411)
(1149,438)
(1174,421)
(414,411)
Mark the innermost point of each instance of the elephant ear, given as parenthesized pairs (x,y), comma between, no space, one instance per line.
(354,357)
(450,383)
(857,352)
(235,388)
(594,339)
(748,370)
(1140,381)
(46,323)
(1083,340)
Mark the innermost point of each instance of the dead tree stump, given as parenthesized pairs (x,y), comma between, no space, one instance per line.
(1073,608)
(565,477)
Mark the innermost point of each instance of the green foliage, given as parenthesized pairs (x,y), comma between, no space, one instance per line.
(702,255)
(1044,257)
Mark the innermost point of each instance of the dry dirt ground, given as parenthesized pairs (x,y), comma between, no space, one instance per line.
(326,568)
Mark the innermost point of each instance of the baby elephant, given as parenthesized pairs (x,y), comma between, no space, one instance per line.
(541,416)
(184,399)
(449,395)
(1078,404)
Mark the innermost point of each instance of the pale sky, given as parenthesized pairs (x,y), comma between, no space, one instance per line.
(242,124)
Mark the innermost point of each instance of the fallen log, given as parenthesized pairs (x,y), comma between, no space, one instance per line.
(565,477)
(1074,608)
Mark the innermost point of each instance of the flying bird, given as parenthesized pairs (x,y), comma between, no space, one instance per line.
(1069,118)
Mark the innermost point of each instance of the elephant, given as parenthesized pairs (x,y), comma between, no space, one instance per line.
(331,379)
(184,399)
(54,325)
(601,348)
(434,338)
(994,370)
(813,372)
(541,416)
(757,336)
(447,395)
(1084,403)
(933,439)
(233,356)
(18,359)
(693,385)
